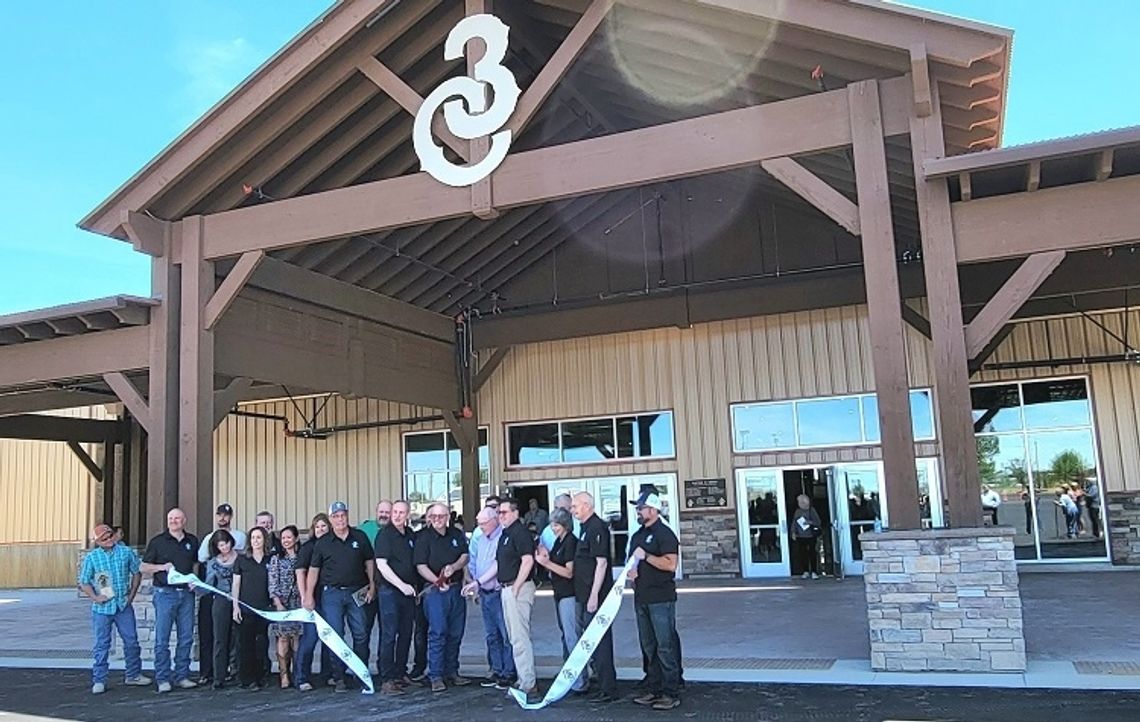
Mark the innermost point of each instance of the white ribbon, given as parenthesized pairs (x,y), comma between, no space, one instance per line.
(584,649)
(328,636)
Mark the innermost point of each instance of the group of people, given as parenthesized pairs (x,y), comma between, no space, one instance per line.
(412,583)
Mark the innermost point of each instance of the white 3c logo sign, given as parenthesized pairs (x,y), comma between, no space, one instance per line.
(478,120)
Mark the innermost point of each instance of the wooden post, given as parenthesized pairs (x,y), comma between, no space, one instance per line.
(469,471)
(959,461)
(161,485)
(888,354)
(196,383)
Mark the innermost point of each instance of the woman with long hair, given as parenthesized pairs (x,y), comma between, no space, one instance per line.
(251,588)
(220,575)
(286,597)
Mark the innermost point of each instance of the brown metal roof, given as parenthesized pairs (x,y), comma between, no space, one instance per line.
(104,314)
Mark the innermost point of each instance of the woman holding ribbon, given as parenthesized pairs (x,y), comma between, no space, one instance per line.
(286,597)
(559,561)
(220,575)
(251,589)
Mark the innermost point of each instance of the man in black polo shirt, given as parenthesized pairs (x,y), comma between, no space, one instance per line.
(343,560)
(440,556)
(174,549)
(395,562)
(656,548)
(515,560)
(593,580)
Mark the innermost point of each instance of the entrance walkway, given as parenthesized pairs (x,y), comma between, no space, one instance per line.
(734,630)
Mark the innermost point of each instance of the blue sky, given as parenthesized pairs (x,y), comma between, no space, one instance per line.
(95,89)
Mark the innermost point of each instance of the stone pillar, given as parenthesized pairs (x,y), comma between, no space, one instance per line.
(1120,516)
(710,543)
(943,600)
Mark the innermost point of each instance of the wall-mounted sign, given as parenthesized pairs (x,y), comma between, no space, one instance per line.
(706,494)
(477,119)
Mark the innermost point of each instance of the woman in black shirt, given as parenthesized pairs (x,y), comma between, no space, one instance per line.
(559,561)
(251,587)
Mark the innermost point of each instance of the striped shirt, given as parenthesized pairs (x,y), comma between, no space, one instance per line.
(112,567)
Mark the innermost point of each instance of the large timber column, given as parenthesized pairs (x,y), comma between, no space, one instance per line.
(888,354)
(940,265)
(196,383)
(162,395)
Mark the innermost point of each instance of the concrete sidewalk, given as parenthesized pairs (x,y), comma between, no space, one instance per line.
(782,631)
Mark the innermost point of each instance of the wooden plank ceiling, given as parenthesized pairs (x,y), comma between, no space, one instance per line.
(652,61)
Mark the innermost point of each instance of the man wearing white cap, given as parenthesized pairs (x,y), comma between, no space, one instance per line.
(110,577)
(657,550)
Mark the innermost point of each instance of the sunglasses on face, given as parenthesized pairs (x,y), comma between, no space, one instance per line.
(437,516)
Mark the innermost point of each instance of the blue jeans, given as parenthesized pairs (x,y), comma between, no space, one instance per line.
(499,654)
(372,619)
(173,608)
(446,618)
(101,625)
(397,612)
(567,616)
(657,630)
(305,650)
(338,607)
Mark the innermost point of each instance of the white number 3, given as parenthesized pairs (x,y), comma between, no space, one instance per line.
(477,120)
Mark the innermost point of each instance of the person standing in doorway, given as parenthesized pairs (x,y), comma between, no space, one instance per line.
(371,529)
(441,555)
(173,550)
(220,576)
(395,564)
(223,521)
(309,639)
(536,515)
(593,580)
(342,567)
(514,561)
(804,529)
(657,550)
(484,570)
(110,578)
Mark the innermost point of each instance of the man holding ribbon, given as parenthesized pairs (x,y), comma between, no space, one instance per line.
(514,561)
(110,578)
(440,556)
(593,580)
(656,548)
(173,550)
(395,562)
(484,575)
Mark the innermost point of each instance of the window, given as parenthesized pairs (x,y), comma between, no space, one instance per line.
(432,469)
(591,441)
(820,422)
(1037,455)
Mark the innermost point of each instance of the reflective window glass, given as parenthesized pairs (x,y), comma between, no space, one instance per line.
(763,426)
(922,414)
(645,435)
(424,452)
(996,408)
(1005,480)
(828,422)
(590,440)
(1065,479)
(1056,404)
(533,445)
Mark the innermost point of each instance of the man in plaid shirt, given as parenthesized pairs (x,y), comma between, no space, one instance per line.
(110,578)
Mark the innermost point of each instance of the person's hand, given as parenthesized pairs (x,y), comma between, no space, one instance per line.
(443,584)
(309,603)
(408,590)
(469,588)
(592,604)
(237,614)
(639,554)
(370,594)
(280,607)
(169,567)
(131,598)
(99,599)
(447,571)
(631,574)
(541,555)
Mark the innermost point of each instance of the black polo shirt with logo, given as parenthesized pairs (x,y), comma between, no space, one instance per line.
(399,550)
(254,581)
(341,562)
(563,553)
(653,585)
(438,550)
(593,543)
(514,543)
(164,549)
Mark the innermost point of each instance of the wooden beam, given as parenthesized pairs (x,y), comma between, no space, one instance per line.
(708,144)
(46,427)
(129,394)
(455,424)
(231,287)
(811,188)
(488,369)
(888,352)
(225,399)
(74,357)
(162,395)
(85,459)
(408,99)
(966,186)
(916,320)
(1072,218)
(559,64)
(50,399)
(920,77)
(147,234)
(1033,176)
(1104,164)
(984,355)
(1010,297)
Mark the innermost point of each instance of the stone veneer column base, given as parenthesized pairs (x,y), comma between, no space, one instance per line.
(710,543)
(1123,525)
(943,600)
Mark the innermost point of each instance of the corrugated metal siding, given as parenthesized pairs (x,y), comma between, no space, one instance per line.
(46,494)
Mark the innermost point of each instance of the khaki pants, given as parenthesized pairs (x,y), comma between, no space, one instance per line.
(516,613)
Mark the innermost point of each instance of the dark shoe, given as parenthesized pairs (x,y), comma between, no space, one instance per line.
(391,688)
(330,682)
(255,687)
(604,698)
(219,685)
(533,696)
(405,681)
(437,685)
(581,692)
(340,686)
(665,702)
(489,682)
(647,699)
(419,677)
(458,681)
(205,681)
(502,683)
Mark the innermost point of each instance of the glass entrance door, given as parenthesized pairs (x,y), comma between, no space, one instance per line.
(762,522)
(860,507)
